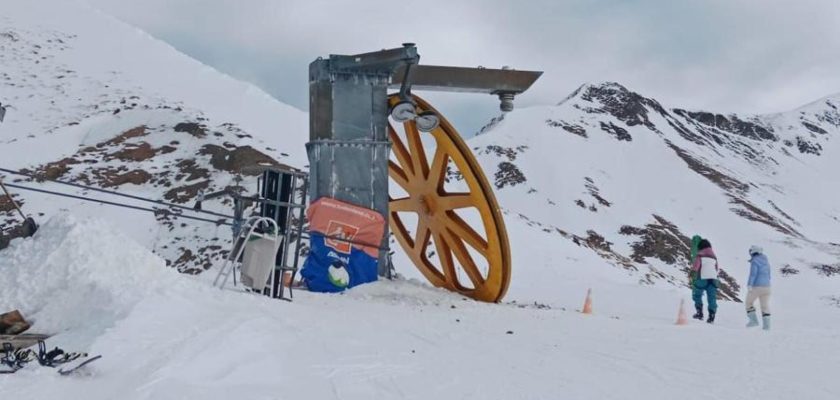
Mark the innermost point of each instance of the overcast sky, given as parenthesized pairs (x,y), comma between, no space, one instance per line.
(751,56)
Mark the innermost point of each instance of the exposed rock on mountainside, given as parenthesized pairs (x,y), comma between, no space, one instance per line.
(150,122)
(648,158)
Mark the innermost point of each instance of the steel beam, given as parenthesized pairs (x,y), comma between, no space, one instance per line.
(471,80)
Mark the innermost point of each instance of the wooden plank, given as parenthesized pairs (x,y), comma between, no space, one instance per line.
(23,340)
(12,323)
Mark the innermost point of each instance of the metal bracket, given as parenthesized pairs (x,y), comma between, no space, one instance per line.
(505,82)
(385,61)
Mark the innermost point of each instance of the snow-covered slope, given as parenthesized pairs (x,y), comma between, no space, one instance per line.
(64,62)
(95,101)
(625,178)
(165,338)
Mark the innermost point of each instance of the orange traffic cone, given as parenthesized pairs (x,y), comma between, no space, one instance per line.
(587,304)
(682,319)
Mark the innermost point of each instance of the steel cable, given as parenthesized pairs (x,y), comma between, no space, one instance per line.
(111,192)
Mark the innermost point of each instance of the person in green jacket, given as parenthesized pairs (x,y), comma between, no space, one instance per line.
(705,269)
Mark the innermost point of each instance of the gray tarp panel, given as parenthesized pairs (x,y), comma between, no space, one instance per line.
(258,261)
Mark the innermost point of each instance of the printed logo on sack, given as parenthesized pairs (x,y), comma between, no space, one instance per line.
(338,275)
(336,231)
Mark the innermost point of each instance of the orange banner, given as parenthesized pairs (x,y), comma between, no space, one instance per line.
(346,225)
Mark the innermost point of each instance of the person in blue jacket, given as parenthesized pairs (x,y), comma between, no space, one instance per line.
(758,287)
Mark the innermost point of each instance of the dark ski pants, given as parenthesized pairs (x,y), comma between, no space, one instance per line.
(709,286)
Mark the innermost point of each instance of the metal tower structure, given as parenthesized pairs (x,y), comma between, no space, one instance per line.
(350,146)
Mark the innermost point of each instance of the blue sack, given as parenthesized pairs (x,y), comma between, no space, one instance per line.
(328,270)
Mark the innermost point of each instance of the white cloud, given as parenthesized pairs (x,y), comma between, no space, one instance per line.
(724,55)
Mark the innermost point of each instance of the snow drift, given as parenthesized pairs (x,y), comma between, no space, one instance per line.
(77,275)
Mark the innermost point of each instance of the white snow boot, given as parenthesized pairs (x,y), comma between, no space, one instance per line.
(765,322)
(753,319)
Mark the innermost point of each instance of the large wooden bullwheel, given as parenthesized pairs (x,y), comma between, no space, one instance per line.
(458,240)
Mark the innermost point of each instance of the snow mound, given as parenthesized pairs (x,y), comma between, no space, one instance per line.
(75,272)
(407,292)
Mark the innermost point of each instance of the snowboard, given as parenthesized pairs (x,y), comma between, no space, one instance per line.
(13,360)
(74,366)
(68,368)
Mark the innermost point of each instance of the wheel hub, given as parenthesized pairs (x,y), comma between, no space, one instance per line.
(428,205)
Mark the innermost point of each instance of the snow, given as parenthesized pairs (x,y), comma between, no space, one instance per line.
(75,77)
(72,39)
(169,337)
(71,275)
(94,277)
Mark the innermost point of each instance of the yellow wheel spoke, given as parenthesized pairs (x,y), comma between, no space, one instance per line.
(437,171)
(453,201)
(400,232)
(398,175)
(404,204)
(400,151)
(467,233)
(445,257)
(421,236)
(418,155)
(464,258)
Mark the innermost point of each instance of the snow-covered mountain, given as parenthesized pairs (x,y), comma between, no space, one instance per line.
(600,191)
(95,101)
(623,176)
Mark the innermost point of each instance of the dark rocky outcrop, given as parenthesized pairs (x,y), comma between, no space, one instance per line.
(806,147)
(571,128)
(614,99)
(616,131)
(507,152)
(662,240)
(236,160)
(730,124)
(193,128)
(508,174)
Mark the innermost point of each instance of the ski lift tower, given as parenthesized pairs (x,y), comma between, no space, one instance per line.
(350,147)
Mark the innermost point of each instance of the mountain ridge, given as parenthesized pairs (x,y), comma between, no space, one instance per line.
(750,167)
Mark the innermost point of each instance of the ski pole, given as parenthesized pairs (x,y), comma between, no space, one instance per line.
(9,195)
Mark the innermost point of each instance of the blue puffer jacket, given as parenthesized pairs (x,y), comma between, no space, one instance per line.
(759,271)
